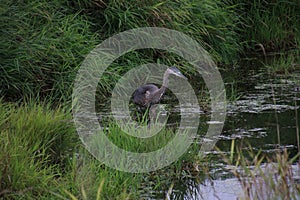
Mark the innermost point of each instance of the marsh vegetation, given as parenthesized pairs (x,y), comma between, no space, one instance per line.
(256,46)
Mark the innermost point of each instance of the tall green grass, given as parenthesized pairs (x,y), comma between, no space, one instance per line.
(212,23)
(270,26)
(36,143)
(41,157)
(43,43)
(42,46)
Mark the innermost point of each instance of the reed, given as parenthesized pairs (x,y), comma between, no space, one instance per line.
(264,176)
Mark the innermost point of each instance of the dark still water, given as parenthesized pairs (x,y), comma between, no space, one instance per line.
(264,115)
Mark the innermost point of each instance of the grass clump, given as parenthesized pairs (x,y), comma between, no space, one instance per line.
(36,143)
(41,157)
(283,64)
(265,176)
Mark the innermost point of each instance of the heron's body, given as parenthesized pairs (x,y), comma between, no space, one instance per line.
(149,94)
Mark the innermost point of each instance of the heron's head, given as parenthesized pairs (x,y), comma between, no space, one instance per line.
(173,70)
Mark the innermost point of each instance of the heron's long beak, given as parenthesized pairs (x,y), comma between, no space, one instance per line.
(179,74)
(176,72)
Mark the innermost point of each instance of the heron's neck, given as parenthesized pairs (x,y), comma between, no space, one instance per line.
(158,94)
(165,83)
(165,80)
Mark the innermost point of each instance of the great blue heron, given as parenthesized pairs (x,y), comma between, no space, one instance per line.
(150,94)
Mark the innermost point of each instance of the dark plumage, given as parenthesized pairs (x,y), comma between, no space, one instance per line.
(141,95)
(149,94)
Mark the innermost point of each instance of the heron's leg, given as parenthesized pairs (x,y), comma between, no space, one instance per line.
(153,114)
(158,115)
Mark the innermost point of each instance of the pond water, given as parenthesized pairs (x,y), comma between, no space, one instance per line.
(266,112)
(264,116)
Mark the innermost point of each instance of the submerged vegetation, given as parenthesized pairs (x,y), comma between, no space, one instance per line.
(43,44)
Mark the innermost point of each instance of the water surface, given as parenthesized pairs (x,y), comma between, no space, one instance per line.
(263,116)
